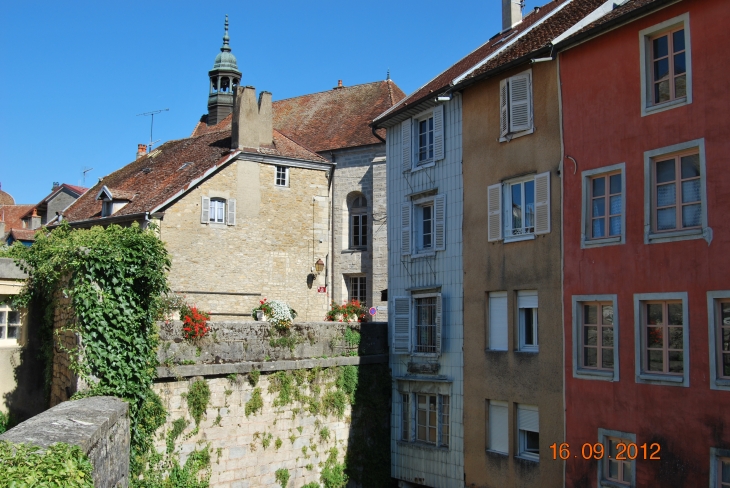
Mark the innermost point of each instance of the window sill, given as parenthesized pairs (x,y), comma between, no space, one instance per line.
(652,109)
(422,446)
(676,235)
(528,351)
(528,458)
(497,453)
(595,374)
(353,251)
(427,254)
(424,165)
(608,241)
(613,484)
(524,237)
(661,379)
(509,137)
(720,384)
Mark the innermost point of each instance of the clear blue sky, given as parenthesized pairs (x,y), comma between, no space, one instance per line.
(75,74)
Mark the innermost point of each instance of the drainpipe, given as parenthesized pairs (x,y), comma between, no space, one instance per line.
(372,127)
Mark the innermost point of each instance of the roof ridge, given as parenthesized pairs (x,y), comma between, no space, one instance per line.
(331,90)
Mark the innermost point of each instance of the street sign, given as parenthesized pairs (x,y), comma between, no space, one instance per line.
(321,289)
(373,311)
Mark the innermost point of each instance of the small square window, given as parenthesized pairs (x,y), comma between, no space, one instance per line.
(719,468)
(724,470)
(10,324)
(282,176)
(432,419)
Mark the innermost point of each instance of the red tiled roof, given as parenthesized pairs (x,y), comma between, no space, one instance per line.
(79,190)
(526,42)
(328,120)
(12,215)
(22,234)
(6,198)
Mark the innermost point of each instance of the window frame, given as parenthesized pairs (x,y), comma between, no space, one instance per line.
(521,443)
(415,328)
(646,69)
(509,135)
(714,298)
(411,386)
(522,346)
(656,378)
(406,427)
(588,373)
(419,223)
(507,206)
(221,203)
(603,436)
(5,324)
(425,117)
(717,456)
(409,402)
(277,177)
(586,214)
(361,288)
(650,157)
(353,212)
(490,427)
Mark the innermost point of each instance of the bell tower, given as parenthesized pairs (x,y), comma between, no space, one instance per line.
(224,79)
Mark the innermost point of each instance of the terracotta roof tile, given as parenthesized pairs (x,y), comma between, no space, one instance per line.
(79,190)
(22,234)
(627,10)
(12,215)
(328,120)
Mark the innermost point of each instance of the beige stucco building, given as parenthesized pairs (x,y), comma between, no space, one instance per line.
(13,333)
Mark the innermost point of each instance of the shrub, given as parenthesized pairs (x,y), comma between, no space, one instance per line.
(60,465)
(282,476)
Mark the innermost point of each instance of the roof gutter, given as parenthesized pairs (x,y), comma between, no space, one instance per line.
(372,127)
(104,220)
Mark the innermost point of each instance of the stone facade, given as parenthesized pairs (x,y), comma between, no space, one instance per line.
(65,382)
(279,234)
(360,171)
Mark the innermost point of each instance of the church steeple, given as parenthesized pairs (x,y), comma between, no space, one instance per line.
(224,79)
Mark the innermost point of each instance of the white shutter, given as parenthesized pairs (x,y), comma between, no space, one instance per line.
(503,108)
(542,203)
(231,211)
(439,321)
(402,325)
(406,137)
(438,133)
(520,103)
(528,418)
(498,339)
(439,213)
(405,233)
(527,299)
(494,212)
(204,210)
(498,426)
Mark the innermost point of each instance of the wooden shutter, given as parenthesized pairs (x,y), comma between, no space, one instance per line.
(498,426)
(494,212)
(439,213)
(406,139)
(542,203)
(405,233)
(520,103)
(231,220)
(528,418)
(205,210)
(503,108)
(438,133)
(498,338)
(402,325)
(439,321)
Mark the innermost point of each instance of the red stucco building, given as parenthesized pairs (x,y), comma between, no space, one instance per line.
(646,179)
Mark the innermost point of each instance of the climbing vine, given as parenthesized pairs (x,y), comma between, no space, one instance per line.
(58,465)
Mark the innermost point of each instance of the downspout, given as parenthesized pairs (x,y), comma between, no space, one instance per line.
(372,128)
(562,249)
(330,269)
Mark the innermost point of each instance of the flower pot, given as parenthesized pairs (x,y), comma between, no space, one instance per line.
(259,315)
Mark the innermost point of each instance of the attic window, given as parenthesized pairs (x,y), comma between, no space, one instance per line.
(110,207)
(185,165)
(146,171)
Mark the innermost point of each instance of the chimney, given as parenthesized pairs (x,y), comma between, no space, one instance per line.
(35,220)
(511,13)
(141,150)
(339,85)
(55,186)
(252,124)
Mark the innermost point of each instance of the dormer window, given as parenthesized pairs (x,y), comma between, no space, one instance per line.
(112,201)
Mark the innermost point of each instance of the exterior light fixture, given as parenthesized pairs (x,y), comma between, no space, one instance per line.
(319,266)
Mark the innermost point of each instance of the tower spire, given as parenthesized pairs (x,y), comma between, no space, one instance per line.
(226,47)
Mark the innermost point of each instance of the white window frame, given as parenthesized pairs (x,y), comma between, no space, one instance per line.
(410,139)
(507,131)
(218,205)
(522,411)
(713,298)
(277,177)
(499,205)
(654,378)
(5,324)
(645,36)
(603,436)
(651,237)
(229,210)
(498,427)
(358,212)
(438,326)
(509,235)
(586,214)
(716,455)
(409,388)
(417,140)
(586,373)
(412,226)
(418,222)
(526,295)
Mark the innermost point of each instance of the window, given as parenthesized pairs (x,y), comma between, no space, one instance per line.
(595,329)
(528,432)
(527,318)
(603,217)
(666,65)
(216,210)
(526,203)
(498,428)
(429,410)
(675,200)
(282,176)
(358,289)
(417,319)
(663,338)
(359,223)
(426,231)
(515,102)
(613,472)
(718,308)
(498,326)
(720,468)
(10,323)
(422,139)
(405,417)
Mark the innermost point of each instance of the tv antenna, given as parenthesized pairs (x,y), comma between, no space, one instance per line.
(85,170)
(152,123)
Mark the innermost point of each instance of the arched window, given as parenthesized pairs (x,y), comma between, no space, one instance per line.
(359,222)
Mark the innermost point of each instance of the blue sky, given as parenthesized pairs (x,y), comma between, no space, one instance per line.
(75,74)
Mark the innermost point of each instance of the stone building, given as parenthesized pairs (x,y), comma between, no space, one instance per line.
(260,193)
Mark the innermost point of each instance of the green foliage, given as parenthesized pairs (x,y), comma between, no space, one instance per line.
(233,378)
(324,434)
(282,476)
(300,428)
(60,465)
(256,402)
(253,377)
(266,439)
(4,421)
(177,428)
(282,382)
(352,337)
(287,339)
(309,467)
(333,473)
(277,443)
(335,402)
(188,476)
(347,379)
(198,396)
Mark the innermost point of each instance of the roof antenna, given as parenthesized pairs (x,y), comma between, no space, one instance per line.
(152,123)
(388,76)
(85,170)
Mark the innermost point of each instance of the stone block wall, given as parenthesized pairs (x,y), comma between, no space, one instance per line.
(98,425)
(65,382)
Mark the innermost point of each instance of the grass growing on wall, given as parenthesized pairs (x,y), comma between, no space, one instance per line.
(59,465)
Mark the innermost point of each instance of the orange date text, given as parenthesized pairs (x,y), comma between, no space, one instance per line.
(624,452)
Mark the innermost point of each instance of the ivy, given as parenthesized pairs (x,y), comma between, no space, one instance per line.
(333,474)
(197,397)
(255,404)
(253,377)
(60,465)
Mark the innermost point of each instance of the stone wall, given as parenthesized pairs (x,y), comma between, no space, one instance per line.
(65,382)
(98,425)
